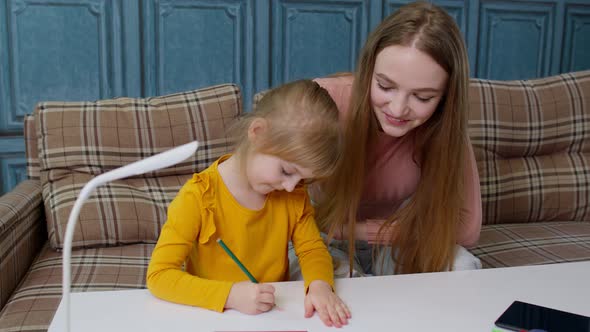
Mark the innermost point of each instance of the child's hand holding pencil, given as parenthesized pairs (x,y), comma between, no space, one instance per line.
(248,297)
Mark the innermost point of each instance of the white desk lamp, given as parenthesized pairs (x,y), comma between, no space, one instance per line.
(161,160)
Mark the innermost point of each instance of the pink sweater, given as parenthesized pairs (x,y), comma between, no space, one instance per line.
(393,175)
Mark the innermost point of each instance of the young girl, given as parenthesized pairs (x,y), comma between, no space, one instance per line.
(409,184)
(255,203)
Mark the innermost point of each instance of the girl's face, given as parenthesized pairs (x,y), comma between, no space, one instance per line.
(267,173)
(406,87)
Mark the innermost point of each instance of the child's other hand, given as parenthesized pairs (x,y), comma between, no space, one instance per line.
(330,308)
(251,298)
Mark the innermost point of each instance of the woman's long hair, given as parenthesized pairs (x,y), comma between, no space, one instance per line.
(425,230)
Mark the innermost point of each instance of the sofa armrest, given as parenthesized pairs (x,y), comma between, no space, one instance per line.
(22,234)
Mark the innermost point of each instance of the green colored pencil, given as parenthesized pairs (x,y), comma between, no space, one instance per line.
(237,261)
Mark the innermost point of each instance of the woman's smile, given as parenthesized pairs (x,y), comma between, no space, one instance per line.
(395,121)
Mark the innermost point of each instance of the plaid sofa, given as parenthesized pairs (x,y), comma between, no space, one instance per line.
(530,139)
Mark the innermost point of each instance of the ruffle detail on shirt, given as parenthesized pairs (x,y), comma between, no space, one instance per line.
(203,181)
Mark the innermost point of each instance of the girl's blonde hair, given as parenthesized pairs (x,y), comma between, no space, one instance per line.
(424,231)
(301,127)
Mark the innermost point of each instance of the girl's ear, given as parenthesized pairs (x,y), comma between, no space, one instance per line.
(257,127)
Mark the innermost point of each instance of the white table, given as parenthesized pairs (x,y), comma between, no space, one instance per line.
(449,301)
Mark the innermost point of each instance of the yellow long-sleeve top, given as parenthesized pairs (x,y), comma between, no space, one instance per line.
(205,210)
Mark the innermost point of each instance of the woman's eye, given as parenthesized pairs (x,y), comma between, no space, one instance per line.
(382,87)
(285,172)
(424,99)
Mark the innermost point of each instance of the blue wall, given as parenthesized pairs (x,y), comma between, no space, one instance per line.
(92,49)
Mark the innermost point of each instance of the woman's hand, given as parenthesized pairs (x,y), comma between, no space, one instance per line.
(251,298)
(360,232)
(330,308)
(340,233)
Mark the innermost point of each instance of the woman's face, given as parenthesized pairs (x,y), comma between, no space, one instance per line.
(406,87)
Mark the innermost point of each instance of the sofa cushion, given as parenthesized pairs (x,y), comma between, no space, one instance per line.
(531,144)
(79,140)
(534,243)
(33,305)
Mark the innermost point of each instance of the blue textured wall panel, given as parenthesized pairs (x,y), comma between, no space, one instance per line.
(192,44)
(576,51)
(516,40)
(58,50)
(311,39)
(13,167)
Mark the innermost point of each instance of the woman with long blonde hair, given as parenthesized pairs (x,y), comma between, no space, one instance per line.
(408,190)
